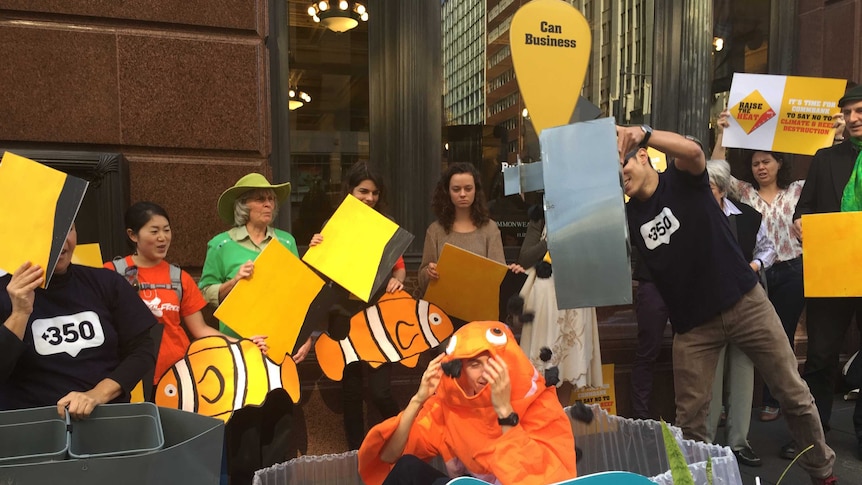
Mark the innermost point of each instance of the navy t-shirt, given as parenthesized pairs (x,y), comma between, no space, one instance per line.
(74,337)
(686,242)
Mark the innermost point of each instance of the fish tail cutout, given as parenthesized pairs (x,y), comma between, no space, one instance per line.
(330,357)
(138,392)
(410,361)
(375,365)
(290,379)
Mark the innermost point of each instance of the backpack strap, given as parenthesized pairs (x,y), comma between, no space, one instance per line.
(176,274)
(177,281)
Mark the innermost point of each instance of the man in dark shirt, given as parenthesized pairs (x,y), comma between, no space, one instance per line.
(710,291)
(83,341)
(833,184)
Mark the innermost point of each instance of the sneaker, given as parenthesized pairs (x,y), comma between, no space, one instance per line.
(830,480)
(747,457)
(789,451)
(769,413)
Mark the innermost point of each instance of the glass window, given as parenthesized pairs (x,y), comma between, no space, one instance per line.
(330,133)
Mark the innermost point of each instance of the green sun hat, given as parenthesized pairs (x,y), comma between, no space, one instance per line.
(248,182)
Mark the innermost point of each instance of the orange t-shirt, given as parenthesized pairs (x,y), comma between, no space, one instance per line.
(169,312)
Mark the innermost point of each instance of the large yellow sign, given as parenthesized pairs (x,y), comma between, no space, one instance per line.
(788,114)
(550,42)
(832,249)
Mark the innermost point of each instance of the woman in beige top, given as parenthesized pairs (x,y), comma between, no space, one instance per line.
(463,220)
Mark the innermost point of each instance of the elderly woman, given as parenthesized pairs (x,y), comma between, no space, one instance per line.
(771,190)
(255,437)
(83,341)
(746,223)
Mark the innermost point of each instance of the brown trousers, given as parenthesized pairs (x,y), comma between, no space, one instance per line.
(753,326)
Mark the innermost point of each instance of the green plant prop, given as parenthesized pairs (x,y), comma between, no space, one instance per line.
(791,464)
(678,466)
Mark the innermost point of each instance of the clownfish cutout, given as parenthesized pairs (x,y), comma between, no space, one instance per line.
(395,329)
(217,377)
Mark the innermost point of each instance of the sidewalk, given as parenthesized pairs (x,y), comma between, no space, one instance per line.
(768,438)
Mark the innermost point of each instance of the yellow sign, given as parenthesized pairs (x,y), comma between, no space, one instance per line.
(360,247)
(832,250)
(789,114)
(274,302)
(605,396)
(38,205)
(550,42)
(88,255)
(469,285)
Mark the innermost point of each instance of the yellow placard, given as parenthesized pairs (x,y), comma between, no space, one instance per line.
(832,251)
(88,255)
(789,114)
(605,396)
(274,301)
(353,244)
(38,205)
(469,285)
(550,42)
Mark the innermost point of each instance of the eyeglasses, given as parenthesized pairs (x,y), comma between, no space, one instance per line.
(261,198)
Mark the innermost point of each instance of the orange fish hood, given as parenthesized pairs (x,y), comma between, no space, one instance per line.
(497,339)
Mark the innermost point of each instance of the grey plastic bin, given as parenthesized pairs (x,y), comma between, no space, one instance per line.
(117,430)
(32,436)
(608,443)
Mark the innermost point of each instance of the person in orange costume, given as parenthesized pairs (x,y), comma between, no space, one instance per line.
(485,410)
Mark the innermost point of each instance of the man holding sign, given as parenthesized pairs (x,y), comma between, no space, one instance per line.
(712,294)
(834,184)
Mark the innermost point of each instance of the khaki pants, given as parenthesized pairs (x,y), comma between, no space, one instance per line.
(753,326)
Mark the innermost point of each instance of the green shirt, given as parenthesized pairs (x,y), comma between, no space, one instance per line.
(227,252)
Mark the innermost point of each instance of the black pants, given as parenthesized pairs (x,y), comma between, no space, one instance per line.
(785,285)
(409,470)
(258,437)
(827,320)
(379,383)
(652,315)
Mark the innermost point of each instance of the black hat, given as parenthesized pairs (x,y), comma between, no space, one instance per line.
(852,94)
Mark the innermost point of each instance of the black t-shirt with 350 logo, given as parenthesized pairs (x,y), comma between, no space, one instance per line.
(685,240)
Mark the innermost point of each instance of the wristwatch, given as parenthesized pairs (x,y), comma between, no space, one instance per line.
(510,420)
(647,133)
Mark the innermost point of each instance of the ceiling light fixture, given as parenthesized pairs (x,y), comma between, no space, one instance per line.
(297,98)
(338,15)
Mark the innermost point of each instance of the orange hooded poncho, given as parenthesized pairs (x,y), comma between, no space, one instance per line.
(464,430)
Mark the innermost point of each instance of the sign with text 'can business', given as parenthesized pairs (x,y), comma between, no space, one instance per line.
(788,114)
(550,42)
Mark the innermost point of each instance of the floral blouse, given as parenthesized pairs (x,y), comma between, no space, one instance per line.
(778,216)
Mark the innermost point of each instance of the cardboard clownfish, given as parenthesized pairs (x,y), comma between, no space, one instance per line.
(217,377)
(395,329)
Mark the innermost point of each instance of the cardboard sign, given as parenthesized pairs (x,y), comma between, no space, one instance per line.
(38,206)
(360,247)
(832,251)
(550,42)
(470,286)
(282,299)
(88,255)
(604,396)
(789,114)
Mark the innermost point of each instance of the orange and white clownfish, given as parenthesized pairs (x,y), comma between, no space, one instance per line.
(217,377)
(395,329)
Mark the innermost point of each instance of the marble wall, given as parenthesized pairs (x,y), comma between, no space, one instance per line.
(179,87)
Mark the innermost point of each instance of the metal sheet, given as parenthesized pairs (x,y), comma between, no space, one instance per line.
(585,215)
(524,177)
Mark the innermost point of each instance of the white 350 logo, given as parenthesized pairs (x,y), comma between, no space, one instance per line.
(67,333)
(658,231)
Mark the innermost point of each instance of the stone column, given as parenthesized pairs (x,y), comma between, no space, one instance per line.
(683,61)
(405,77)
